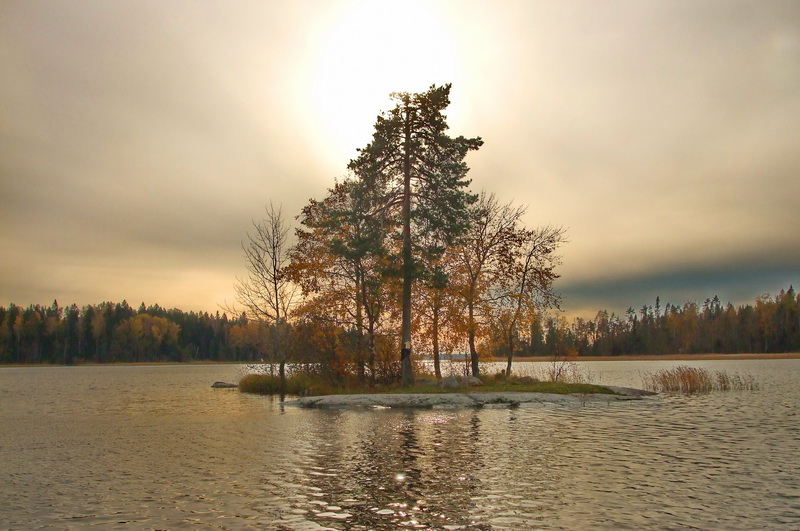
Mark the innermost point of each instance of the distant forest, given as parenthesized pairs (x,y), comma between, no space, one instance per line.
(116,332)
(768,325)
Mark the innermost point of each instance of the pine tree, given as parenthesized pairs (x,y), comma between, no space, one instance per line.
(415,175)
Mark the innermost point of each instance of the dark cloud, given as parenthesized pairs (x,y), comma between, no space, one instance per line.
(738,281)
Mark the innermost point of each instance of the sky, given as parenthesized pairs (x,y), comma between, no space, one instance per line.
(140,139)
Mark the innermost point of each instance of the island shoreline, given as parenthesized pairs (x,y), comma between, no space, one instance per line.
(471,399)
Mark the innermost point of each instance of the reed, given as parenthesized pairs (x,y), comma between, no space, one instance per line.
(694,380)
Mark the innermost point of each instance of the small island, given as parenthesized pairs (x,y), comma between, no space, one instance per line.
(499,390)
(449,392)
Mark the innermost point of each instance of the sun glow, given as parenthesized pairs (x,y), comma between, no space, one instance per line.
(369,50)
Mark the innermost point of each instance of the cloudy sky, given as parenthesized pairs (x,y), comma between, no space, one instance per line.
(138,139)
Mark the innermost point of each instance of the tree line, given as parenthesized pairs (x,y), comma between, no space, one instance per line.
(769,325)
(116,332)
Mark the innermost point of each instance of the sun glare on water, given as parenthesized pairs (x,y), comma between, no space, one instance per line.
(368,50)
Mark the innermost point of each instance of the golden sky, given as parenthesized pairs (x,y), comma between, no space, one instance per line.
(138,139)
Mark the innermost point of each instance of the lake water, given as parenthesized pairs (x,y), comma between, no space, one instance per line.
(154,447)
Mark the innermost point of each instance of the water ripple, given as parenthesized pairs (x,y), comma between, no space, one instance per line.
(156,448)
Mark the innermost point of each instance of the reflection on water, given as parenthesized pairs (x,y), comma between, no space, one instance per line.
(391,468)
(156,447)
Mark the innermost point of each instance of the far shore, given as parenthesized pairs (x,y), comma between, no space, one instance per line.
(666,357)
(540,359)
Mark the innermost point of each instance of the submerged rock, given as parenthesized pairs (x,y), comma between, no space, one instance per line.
(630,392)
(223,385)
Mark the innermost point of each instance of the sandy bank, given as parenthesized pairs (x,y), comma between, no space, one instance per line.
(475,399)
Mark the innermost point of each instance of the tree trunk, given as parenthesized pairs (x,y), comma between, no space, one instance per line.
(371,346)
(279,353)
(473,352)
(370,331)
(437,371)
(360,330)
(510,350)
(407,375)
(282,375)
(511,328)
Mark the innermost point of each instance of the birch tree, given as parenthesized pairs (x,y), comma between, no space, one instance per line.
(266,292)
(484,259)
(529,287)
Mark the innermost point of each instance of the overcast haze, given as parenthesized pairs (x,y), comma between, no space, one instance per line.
(138,139)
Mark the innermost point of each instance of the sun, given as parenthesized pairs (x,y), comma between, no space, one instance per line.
(368,50)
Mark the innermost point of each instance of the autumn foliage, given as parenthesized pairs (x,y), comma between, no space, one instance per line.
(400,248)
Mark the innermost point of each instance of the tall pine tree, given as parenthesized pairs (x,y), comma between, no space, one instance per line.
(415,176)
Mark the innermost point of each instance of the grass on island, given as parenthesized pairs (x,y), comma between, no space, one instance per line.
(694,380)
(307,385)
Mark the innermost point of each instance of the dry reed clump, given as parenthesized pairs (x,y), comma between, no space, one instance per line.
(692,380)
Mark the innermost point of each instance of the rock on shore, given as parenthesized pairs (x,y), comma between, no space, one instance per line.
(459,400)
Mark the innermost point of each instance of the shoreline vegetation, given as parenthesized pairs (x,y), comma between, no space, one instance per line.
(305,385)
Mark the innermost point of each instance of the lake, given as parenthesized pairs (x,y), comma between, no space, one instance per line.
(155,447)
